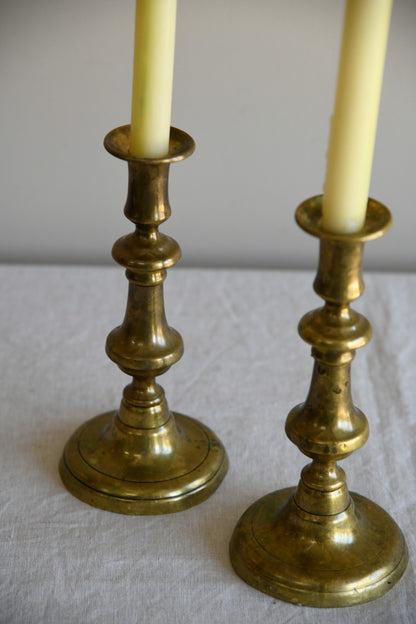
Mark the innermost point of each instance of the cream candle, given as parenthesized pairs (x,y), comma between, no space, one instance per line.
(353,125)
(152,77)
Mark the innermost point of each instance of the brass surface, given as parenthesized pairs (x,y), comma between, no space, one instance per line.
(143,458)
(318,544)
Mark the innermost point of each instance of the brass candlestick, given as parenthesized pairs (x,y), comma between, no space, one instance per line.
(144,459)
(317,544)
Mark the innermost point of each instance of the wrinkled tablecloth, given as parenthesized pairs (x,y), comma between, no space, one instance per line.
(244,368)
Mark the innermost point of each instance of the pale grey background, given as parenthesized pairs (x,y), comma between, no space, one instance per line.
(254,84)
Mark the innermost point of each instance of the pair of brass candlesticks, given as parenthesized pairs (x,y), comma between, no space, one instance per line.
(316,544)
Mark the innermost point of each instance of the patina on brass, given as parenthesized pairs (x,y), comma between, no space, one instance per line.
(144,459)
(318,544)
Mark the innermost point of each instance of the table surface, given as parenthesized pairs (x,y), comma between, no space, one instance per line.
(244,368)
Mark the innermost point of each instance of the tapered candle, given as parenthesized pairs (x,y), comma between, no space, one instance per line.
(354,122)
(152,77)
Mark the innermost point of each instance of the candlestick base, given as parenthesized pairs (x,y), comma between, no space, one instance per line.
(167,469)
(317,544)
(318,561)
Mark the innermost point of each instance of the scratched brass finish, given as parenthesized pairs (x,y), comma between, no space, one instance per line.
(318,544)
(143,458)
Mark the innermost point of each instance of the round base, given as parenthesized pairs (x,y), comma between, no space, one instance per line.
(318,561)
(143,472)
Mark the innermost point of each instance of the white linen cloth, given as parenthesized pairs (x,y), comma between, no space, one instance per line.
(244,368)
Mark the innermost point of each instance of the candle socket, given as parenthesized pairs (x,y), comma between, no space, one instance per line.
(318,544)
(143,458)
